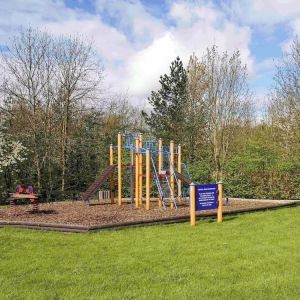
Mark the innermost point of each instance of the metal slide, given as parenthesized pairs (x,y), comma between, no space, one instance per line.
(97,183)
(183,178)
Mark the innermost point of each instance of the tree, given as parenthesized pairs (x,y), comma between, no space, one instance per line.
(284,107)
(226,103)
(167,118)
(77,77)
(196,87)
(48,82)
(27,70)
(12,152)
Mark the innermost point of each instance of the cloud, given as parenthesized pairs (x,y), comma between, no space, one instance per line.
(134,63)
(110,44)
(56,18)
(196,28)
(17,13)
(135,46)
(187,13)
(295,24)
(266,12)
(133,18)
(148,64)
(266,65)
(294,32)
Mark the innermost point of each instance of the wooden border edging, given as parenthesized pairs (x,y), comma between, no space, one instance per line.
(45,226)
(171,220)
(186,218)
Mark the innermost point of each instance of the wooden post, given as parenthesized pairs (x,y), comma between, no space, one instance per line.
(137,144)
(147,179)
(179,171)
(140,170)
(119,169)
(132,158)
(112,179)
(193,204)
(220,206)
(172,181)
(160,156)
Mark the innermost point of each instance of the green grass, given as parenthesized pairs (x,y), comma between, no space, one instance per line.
(253,256)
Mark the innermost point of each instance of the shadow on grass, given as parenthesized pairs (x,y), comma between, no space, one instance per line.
(214,220)
(229,218)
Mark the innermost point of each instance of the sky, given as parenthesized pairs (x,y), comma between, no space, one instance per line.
(136,40)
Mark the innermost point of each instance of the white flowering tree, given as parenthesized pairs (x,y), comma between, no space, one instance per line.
(11,151)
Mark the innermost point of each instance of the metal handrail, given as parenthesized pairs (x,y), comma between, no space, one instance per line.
(157,179)
(187,171)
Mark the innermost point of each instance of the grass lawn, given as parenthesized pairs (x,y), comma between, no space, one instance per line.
(254,256)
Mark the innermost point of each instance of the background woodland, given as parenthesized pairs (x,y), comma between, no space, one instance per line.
(57,120)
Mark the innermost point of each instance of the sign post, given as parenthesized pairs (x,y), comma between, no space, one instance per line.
(220,212)
(205,197)
(193,203)
(147,179)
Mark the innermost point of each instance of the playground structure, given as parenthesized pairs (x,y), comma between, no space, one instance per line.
(21,194)
(163,166)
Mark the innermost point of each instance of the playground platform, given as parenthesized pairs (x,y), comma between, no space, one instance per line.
(76,217)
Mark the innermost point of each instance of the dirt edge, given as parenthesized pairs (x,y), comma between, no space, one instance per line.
(118,226)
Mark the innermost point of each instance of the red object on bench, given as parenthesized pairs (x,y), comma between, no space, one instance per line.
(29,190)
(28,194)
(19,189)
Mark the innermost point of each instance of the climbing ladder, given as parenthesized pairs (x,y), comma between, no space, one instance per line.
(163,185)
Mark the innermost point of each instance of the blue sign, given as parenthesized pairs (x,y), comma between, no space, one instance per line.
(206,196)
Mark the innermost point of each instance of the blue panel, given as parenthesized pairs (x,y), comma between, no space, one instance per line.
(206,196)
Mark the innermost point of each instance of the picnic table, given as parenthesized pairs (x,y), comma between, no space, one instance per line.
(13,197)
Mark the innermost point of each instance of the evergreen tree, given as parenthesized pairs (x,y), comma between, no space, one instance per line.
(167,118)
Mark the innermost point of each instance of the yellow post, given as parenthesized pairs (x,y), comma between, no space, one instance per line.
(220,213)
(133,175)
(160,156)
(141,170)
(112,179)
(147,179)
(193,204)
(172,179)
(179,171)
(137,145)
(119,169)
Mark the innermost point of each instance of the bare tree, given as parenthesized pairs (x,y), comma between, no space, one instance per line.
(48,81)
(284,107)
(27,71)
(77,79)
(226,102)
